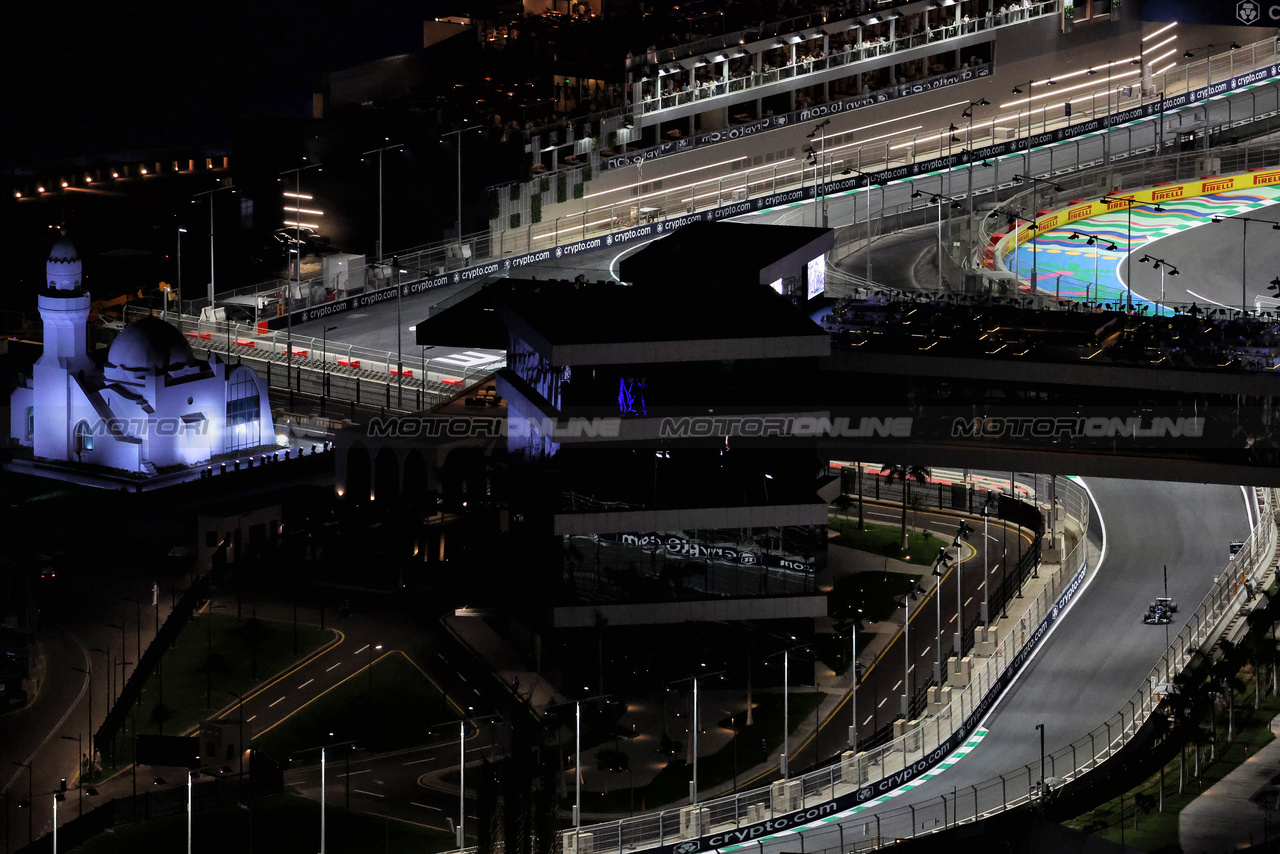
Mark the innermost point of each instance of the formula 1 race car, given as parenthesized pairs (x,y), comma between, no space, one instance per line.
(1160,612)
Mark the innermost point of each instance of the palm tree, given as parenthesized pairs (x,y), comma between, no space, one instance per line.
(906,474)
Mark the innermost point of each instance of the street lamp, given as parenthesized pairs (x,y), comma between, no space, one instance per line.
(937,199)
(1162,265)
(968,114)
(123,649)
(940,564)
(458,143)
(1128,260)
(986,577)
(379,152)
(880,184)
(1244,242)
(88,674)
(821,131)
(324,364)
(210,193)
(1015,218)
(296,172)
(962,535)
(1018,179)
(905,604)
(1095,241)
(80,759)
(853,683)
(1041,728)
(181,231)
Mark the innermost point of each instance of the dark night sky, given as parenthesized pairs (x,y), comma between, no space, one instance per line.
(98,76)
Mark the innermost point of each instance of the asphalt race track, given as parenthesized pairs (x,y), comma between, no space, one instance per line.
(1098,655)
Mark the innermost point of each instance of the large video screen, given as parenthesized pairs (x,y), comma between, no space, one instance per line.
(817,276)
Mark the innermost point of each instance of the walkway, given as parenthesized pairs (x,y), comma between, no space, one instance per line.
(1230,814)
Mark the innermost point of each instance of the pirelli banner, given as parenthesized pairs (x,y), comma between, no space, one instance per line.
(1137,200)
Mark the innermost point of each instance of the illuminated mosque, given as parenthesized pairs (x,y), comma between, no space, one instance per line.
(151,405)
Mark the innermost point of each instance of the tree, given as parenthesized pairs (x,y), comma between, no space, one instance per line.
(843,502)
(906,474)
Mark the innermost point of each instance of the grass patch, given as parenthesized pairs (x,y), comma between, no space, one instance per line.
(876,593)
(281,824)
(211,665)
(1148,829)
(886,540)
(389,707)
(740,755)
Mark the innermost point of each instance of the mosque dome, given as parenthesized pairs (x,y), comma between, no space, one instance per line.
(150,345)
(62,272)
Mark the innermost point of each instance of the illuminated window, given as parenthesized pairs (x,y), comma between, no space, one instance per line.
(243,411)
(31,423)
(83,438)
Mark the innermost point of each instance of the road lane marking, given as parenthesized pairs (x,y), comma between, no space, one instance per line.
(869,717)
(370,794)
(305,684)
(273,705)
(353,773)
(250,720)
(896,687)
(882,702)
(425,806)
(968,601)
(326,671)
(420,761)
(360,650)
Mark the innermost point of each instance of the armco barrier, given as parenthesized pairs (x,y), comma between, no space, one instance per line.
(862,779)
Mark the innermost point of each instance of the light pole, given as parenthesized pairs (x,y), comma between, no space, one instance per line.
(88,675)
(123,650)
(1244,243)
(190,791)
(968,114)
(853,684)
(940,564)
(322,799)
(210,193)
(296,172)
(1096,242)
(1015,218)
(962,534)
(868,200)
(79,740)
(937,199)
(1018,179)
(395,279)
(324,364)
(905,604)
(1128,261)
(379,152)
(181,231)
(1041,728)
(1017,90)
(1162,265)
(986,577)
(458,142)
(821,131)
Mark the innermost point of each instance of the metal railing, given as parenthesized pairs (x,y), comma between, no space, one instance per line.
(922,739)
(347,369)
(628,206)
(1020,787)
(847,54)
